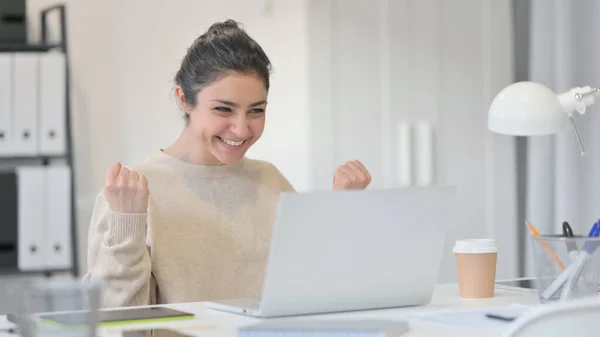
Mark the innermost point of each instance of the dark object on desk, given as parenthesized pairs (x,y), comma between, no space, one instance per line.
(121,316)
(13,23)
(501,317)
(506,314)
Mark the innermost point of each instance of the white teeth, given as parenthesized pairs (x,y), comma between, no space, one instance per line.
(232,142)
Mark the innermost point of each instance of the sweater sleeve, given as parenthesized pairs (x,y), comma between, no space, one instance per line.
(118,256)
(286,186)
(282,183)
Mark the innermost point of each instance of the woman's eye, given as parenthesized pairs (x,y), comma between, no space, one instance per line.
(257,111)
(223,109)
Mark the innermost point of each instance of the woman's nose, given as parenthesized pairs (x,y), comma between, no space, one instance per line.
(240,128)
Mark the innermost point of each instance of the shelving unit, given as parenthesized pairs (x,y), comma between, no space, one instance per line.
(40,165)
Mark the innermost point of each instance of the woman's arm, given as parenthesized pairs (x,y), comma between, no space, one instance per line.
(118,256)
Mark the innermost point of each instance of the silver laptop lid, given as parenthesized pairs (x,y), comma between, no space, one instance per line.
(354,250)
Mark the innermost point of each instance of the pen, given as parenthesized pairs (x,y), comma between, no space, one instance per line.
(502,318)
(571,246)
(546,247)
(567,231)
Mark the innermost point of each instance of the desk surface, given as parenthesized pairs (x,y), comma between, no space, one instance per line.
(212,323)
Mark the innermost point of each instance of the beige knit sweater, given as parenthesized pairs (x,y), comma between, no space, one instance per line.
(205,236)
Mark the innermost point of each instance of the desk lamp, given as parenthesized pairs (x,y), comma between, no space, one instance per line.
(531,109)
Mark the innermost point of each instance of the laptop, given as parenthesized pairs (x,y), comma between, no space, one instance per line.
(352,250)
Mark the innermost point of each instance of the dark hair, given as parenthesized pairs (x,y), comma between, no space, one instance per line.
(225,48)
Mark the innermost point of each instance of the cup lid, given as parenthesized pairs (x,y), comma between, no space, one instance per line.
(475,246)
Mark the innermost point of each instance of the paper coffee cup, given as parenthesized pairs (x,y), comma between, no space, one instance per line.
(476,266)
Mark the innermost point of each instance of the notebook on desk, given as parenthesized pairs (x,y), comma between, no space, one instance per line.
(118,316)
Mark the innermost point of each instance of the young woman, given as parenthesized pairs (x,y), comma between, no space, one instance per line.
(193,222)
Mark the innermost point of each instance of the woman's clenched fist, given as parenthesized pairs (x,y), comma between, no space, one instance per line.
(353,175)
(126,191)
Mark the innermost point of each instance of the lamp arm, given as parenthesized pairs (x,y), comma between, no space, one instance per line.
(578,99)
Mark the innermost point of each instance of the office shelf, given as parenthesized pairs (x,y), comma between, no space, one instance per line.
(49,157)
(14,47)
(47,272)
(46,160)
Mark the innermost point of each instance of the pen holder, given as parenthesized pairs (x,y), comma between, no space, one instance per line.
(76,301)
(566,267)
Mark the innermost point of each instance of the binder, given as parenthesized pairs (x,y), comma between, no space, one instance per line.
(58,217)
(9,224)
(25,104)
(31,218)
(52,103)
(5,104)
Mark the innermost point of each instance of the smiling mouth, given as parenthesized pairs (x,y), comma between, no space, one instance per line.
(232,142)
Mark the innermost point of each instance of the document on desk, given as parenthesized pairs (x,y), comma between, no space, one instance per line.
(324,328)
(475,319)
(6,327)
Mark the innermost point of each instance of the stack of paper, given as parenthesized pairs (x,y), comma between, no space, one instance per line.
(475,319)
(7,327)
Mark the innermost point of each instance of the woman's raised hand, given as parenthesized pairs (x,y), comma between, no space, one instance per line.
(353,175)
(126,191)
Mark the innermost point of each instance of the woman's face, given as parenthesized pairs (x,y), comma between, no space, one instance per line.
(229,117)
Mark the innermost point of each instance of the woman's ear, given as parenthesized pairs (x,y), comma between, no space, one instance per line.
(181,99)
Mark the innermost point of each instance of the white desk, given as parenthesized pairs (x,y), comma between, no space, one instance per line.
(211,323)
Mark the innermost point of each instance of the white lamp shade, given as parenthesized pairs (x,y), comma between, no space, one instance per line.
(526,109)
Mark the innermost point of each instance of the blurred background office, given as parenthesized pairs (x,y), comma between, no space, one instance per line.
(402,85)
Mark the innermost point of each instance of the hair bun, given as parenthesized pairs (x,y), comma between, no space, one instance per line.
(223,49)
(224,28)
